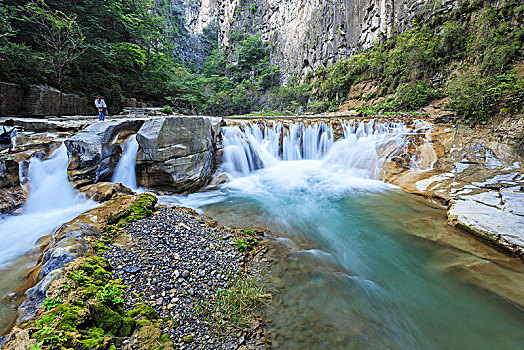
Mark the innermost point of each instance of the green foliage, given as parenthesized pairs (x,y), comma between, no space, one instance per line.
(410,98)
(474,96)
(237,76)
(59,33)
(50,303)
(125,51)
(245,245)
(112,294)
(249,231)
(167,110)
(235,304)
(134,48)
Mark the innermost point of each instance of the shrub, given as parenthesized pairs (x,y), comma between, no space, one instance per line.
(167,110)
(473,96)
(410,98)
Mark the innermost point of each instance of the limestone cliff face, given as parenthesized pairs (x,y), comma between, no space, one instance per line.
(308,34)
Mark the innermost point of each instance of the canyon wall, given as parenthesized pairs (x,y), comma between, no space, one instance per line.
(39,101)
(308,34)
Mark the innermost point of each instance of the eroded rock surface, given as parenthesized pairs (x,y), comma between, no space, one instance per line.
(177,153)
(476,173)
(95,151)
(104,191)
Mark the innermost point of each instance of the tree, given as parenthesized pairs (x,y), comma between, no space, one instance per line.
(61,34)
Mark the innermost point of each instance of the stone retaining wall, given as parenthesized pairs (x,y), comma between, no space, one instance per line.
(39,100)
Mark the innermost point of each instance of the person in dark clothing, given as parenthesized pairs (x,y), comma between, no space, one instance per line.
(7,134)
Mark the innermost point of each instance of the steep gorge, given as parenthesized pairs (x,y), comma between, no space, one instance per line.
(307,35)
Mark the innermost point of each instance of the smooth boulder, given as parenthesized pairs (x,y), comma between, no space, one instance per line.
(95,151)
(177,153)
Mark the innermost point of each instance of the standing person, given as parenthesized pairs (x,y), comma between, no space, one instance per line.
(102,108)
(7,134)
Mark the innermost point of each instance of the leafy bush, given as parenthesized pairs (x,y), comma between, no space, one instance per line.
(245,245)
(410,98)
(473,96)
(167,110)
(238,75)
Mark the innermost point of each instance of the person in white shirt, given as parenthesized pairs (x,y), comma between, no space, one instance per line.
(102,108)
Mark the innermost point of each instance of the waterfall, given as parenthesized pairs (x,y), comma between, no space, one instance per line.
(247,148)
(49,186)
(125,169)
(52,201)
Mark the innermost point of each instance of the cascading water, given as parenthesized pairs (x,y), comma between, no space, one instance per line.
(125,172)
(248,149)
(359,279)
(51,202)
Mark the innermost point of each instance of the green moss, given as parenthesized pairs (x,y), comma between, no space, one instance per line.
(142,311)
(128,326)
(113,322)
(71,317)
(101,248)
(188,338)
(90,313)
(95,338)
(141,209)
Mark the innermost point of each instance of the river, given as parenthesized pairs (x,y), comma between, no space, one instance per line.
(359,263)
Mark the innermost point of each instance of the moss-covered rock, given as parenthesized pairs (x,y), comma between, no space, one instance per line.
(87,311)
(141,209)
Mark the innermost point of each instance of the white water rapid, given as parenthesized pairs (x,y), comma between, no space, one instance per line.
(52,201)
(351,272)
(356,154)
(125,169)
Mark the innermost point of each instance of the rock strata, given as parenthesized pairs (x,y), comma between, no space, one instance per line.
(39,100)
(307,35)
(177,153)
(95,151)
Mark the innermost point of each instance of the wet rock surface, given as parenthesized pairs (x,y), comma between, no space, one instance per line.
(178,264)
(11,198)
(104,191)
(95,151)
(177,153)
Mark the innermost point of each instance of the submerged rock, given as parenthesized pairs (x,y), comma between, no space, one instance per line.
(177,153)
(497,217)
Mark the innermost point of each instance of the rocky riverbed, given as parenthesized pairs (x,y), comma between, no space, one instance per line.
(180,264)
(200,288)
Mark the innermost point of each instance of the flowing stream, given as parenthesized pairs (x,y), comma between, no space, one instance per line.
(125,169)
(361,264)
(52,202)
